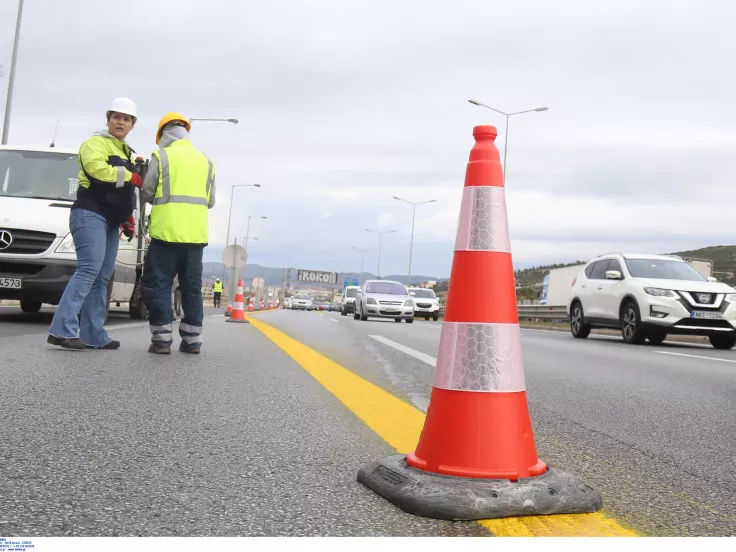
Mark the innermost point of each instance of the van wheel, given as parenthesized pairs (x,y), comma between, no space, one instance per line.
(409,320)
(631,329)
(397,320)
(356,316)
(137,308)
(722,341)
(436,317)
(30,306)
(578,327)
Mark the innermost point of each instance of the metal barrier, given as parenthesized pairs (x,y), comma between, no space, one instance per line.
(543,312)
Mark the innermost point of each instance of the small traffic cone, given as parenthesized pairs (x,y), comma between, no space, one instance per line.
(476,457)
(250,304)
(263,307)
(238,305)
(229,310)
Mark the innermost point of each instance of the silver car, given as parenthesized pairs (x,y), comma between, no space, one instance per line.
(383,299)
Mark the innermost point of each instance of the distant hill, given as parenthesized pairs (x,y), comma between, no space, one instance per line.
(722,256)
(274,275)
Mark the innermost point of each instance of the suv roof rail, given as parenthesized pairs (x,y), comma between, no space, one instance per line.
(609,253)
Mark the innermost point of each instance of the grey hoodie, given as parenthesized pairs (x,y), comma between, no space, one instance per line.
(170,135)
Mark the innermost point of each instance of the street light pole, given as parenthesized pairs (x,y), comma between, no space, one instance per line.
(380,239)
(247,237)
(507,115)
(362,256)
(233,121)
(411,243)
(232,191)
(11,77)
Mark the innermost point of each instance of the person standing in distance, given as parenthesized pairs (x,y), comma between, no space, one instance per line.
(217,292)
(105,204)
(180,184)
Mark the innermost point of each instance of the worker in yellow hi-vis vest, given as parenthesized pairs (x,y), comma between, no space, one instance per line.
(217,292)
(180,183)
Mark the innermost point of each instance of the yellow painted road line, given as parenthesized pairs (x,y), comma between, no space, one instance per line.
(400,424)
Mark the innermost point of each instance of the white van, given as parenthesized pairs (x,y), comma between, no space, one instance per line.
(37,257)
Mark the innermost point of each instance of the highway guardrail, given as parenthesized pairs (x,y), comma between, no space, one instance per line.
(542,312)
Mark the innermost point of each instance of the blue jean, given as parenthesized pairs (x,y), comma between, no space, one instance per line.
(163,262)
(96,242)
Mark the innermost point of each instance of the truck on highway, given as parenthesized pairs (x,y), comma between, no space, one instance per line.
(38,186)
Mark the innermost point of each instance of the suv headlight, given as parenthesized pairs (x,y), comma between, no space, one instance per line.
(731,297)
(371,301)
(409,303)
(657,292)
(66,245)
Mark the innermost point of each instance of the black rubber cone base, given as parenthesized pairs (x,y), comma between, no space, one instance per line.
(461,498)
(240,321)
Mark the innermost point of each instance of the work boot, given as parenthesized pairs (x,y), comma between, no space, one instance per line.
(74,343)
(189,349)
(159,349)
(108,346)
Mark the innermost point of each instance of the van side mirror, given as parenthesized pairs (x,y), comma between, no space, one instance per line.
(614,275)
(712,279)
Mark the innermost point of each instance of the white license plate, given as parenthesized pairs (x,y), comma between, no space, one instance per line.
(12,283)
(707,315)
(392,310)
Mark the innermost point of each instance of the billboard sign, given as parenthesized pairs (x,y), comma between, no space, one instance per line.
(316,277)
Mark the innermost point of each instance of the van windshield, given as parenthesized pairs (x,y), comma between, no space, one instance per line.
(38,174)
(350,292)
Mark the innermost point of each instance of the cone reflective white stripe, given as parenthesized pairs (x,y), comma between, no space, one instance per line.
(482,225)
(480,358)
(238,306)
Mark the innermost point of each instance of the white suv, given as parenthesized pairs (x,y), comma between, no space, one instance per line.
(426,303)
(384,299)
(649,297)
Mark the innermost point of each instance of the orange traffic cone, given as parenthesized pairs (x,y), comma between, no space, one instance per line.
(229,311)
(263,307)
(238,305)
(476,457)
(250,304)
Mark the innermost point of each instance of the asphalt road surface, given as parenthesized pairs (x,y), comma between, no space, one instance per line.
(242,441)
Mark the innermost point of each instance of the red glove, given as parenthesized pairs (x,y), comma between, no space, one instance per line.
(136,180)
(127,229)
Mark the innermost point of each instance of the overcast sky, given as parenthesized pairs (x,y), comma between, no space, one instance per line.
(344,104)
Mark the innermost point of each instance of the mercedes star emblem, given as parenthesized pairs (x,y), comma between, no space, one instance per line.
(5,239)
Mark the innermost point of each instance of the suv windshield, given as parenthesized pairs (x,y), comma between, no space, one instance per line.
(423,293)
(350,292)
(667,270)
(303,297)
(38,174)
(387,288)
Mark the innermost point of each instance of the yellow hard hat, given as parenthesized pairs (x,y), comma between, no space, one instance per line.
(168,118)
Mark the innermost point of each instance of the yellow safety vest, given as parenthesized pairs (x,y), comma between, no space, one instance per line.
(217,287)
(180,206)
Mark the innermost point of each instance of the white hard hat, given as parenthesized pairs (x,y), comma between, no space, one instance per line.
(124,105)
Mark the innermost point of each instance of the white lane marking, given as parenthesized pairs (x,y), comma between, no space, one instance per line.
(333,320)
(140,324)
(432,361)
(618,338)
(716,359)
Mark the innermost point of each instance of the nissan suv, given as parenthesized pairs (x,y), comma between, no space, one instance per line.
(649,297)
(426,304)
(383,299)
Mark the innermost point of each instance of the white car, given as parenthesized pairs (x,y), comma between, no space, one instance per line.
(347,304)
(650,297)
(426,303)
(301,302)
(384,299)
(37,257)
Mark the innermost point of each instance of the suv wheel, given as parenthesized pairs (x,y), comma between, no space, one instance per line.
(578,327)
(655,338)
(356,316)
(631,329)
(722,341)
